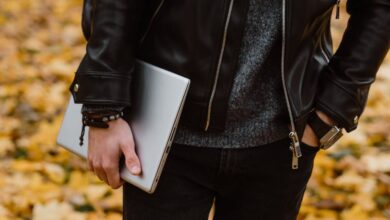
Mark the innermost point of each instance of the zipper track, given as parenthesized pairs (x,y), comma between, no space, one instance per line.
(151,21)
(282,66)
(294,144)
(218,65)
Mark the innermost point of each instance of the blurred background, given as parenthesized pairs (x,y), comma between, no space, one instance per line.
(41,45)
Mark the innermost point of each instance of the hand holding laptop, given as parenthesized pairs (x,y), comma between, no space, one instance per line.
(144,135)
(106,146)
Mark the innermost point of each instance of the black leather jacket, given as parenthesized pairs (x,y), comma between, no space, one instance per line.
(201,40)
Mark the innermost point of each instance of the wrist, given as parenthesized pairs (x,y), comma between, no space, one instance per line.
(101,120)
(98,119)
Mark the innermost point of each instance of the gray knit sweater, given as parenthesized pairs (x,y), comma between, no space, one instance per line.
(257,112)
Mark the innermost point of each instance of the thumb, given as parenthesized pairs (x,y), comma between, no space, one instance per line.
(131,159)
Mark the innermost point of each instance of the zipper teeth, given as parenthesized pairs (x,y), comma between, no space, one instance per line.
(282,65)
(219,64)
(151,20)
(323,50)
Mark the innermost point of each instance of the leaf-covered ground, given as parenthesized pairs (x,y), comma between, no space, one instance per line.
(40,47)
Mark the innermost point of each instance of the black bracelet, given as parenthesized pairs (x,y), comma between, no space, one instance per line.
(101,122)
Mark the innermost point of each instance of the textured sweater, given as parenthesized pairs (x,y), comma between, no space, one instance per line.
(257,112)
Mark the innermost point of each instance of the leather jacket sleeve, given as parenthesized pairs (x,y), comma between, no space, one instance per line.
(345,81)
(104,75)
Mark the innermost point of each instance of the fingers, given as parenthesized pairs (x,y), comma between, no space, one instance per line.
(108,172)
(98,169)
(131,159)
(104,152)
(112,171)
(90,164)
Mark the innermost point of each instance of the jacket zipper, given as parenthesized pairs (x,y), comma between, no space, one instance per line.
(218,65)
(294,145)
(151,21)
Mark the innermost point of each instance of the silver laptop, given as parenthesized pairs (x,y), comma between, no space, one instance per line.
(157,105)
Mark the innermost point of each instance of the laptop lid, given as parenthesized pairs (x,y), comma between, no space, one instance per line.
(157,103)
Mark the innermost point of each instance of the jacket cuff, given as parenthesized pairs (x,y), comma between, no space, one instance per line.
(337,103)
(89,108)
(101,88)
(98,111)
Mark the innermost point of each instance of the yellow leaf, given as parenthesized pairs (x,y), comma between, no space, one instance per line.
(349,180)
(377,163)
(54,210)
(55,172)
(356,213)
(78,180)
(96,192)
(6,146)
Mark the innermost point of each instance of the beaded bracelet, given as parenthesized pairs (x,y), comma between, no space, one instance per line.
(101,122)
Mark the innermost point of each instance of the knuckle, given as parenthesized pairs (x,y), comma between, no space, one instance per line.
(90,166)
(127,145)
(98,165)
(132,154)
(130,160)
(108,165)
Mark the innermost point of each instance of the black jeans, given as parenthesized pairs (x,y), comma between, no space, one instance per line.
(247,183)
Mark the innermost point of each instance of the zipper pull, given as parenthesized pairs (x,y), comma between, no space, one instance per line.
(294,164)
(295,144)
(338,9)
(295,148)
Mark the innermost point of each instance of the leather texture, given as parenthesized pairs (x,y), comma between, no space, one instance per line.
(201,40)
